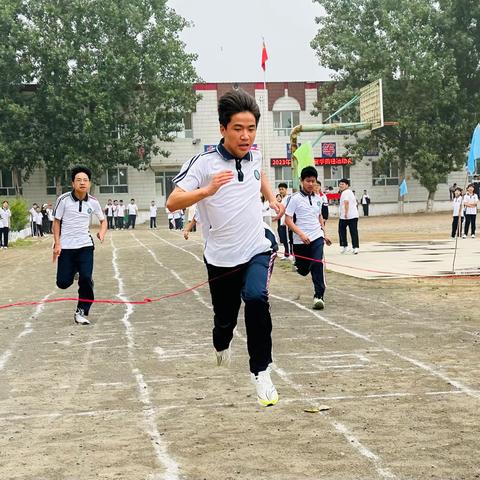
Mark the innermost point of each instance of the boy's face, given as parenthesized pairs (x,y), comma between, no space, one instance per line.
(132,201)
(457,193)
(470,190)
(81,183)
(5,205)
(316,187)
(342,186)
(283,191)
(239,134)
(308,184)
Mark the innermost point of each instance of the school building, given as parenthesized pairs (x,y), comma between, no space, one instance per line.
(283,105)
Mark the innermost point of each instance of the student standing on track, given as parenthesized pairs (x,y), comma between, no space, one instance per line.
(365,201)
(304,217)
(348,213)
(121,215)
(153,215)
(109,213)
(457,204)
(132,214)
(226,184)
(5,215)
(470,201)
(73,245)
(283,233)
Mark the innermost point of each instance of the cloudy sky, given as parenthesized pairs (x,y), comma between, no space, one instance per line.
(227,36)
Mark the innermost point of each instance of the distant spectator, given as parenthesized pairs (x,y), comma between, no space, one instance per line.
(115,214)
(451,191)
(120,215)
(132,214)
(470,201)
(457,213)
(365,203)
(50,218)
(38,222)
(109,213)
(153,215)
(348,213)
(5,215)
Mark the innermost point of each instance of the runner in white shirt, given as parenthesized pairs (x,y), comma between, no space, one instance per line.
(303,216)
(470,201)
(226,184)
(132,213)
(348,213)
(73,245)
(457,205)
(153,215)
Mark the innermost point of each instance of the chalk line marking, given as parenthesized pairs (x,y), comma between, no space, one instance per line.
(27,330)
(422,365)
(339,427)
(159,445)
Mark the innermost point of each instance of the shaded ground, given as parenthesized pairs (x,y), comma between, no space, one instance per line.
(137,396)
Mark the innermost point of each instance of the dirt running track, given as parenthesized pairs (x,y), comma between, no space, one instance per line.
(137,396)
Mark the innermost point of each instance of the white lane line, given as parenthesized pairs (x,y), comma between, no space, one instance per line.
(342,429)
(27,330)
(159,445)
(302,400)
(422,365)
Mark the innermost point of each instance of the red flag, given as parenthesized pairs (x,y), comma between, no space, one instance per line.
(264,56)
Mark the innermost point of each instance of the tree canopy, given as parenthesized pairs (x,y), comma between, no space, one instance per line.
(91,82)
(427,53)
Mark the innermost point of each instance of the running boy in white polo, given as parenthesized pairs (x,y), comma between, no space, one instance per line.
(239,252)
(73,245)
(303,216)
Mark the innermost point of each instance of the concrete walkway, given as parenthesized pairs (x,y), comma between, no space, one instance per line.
(407,258)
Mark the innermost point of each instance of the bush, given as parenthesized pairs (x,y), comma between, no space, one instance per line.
(20,215)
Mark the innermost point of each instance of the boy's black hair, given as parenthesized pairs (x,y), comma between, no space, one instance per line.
(345,180)
(236,101)
(308,172)
(458,188)
(471,185)
(282,185)
(81,169)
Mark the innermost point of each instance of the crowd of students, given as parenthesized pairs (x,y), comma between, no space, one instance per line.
(464,207)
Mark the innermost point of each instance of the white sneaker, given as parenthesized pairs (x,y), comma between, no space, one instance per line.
(80,317)
(344,250)
(355,251)
(464,236)
(224,357)
(266,392)
(473,236)
(318,303)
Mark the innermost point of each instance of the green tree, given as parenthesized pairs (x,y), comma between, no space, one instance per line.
(404,42)
(18,149)
(111,77)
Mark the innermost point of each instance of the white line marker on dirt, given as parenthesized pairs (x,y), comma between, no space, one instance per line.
(433,371)
(27,330)
(352,440)
(160,447)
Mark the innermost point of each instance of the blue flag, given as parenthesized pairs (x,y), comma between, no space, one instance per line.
(403,188)
(474,153)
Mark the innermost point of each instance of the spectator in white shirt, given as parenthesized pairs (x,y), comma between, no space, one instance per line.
(5,215)
(153,215)
(470,201)
(109,213)
(38,222)
(365,201)
(115,214)
(132,213)
(33,214)
(49,218)
(348,213)
(283,232)
(457,217)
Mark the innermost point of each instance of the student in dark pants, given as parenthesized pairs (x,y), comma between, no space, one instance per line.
(348,213)
(470,201)
(282,228)
(73,245)
(226,184)
(457,204)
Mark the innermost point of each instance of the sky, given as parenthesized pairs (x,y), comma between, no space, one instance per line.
(227,36)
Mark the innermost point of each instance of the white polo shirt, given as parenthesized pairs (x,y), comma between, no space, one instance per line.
(307,210)
(120,210)
(5,217)
(232,217)
(347,195)
(470,199)
(132,208)
(456,202)
(153,210)
(75,216)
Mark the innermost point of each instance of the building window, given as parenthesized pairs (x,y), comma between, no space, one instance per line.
(283,122)
(114,180)
(384,173)
(65,181)
(6,183)
(283,175)
(332,174)
(187,129)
